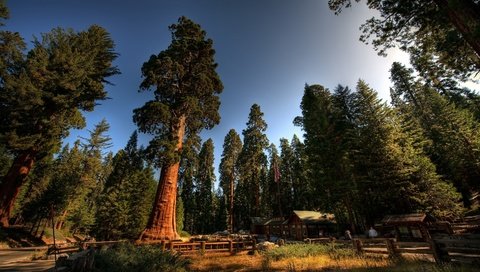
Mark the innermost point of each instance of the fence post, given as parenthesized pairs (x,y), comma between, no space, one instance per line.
(202,246)
(171,245)
(162,245)
(439,255)
(230,246)
(254,244)
(358,246)
(392,247)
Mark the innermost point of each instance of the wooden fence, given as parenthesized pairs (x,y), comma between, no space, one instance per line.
(463,249)
(446,249)
(205,246)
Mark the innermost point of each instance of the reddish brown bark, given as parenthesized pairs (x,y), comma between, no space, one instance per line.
(465,16)
(162,222)
(12,182)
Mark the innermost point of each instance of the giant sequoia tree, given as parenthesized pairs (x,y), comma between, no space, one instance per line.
(186,88)
(43,92)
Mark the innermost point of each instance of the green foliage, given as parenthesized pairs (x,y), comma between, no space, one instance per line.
(126,200)
(45,90)
(5,161)
(179,215)
(229,172)
(444,31)
(252,164)
(187,188)
(365,160)
(185,85)
(127,257)
(452,132)
(205,179)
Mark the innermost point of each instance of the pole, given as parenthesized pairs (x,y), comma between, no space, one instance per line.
(52,212)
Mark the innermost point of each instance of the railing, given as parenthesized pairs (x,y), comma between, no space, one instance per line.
(465,249)
(204,246)
(448,249)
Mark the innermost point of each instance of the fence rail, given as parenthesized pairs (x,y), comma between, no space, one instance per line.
(464,249)
(447,249)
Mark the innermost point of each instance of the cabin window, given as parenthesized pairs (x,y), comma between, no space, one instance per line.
(416,233)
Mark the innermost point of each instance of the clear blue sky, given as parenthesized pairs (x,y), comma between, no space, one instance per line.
(266,50)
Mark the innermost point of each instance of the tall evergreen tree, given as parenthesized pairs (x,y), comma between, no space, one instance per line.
(300,187)
(186,88)
(188,169)
(316,122)
(205,179)
(126,200)
(453,132)
(232,146)
(43,94)
(275,195)
(95,171)
(252,165)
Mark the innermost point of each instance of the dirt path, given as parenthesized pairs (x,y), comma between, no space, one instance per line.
(21,260)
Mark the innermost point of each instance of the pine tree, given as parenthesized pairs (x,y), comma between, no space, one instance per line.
(186,88)
(82,207)
(453,133)
(205,179)
(43,94)
(252,165)
(300,187)
(188,170)
(232,146)
(276,198)
(126,199)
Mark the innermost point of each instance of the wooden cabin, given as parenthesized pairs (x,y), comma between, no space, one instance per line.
(298,226)
(413,227)
(257,225)
(309,224)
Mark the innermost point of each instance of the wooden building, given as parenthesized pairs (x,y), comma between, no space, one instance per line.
(300,225)
(413,227)
(310,224)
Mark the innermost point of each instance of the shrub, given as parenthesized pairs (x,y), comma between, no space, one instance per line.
(127,257)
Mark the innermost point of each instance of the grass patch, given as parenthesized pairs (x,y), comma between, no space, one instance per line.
(309,250)
(127,257)
(314,258)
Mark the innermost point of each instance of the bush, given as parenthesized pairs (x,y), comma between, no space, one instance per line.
(306,250)
(127,257)
(184,234)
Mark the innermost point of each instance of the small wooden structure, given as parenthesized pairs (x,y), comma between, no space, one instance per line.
(310,224)
(414,227)
(299,225)
(257,225)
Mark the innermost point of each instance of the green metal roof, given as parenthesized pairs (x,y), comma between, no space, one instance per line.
(312,217)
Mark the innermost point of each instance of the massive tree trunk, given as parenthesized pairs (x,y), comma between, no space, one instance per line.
(162,222)
(465,16)
(12,182)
